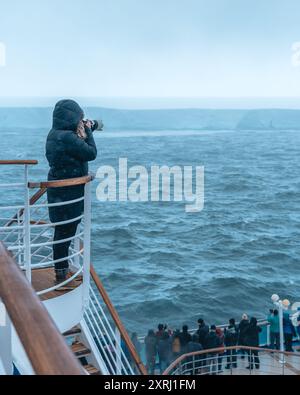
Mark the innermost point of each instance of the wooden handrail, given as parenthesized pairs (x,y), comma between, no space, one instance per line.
(44,345)
(222,350)
(61,183)
(118,322)
(18,162)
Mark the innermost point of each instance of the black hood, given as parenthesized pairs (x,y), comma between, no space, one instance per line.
(67,115)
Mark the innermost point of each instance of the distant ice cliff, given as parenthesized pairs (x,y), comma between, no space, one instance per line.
(186,119)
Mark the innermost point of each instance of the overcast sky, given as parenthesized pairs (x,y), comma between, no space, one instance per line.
(146,48)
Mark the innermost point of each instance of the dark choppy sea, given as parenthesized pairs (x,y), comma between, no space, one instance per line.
(161,264)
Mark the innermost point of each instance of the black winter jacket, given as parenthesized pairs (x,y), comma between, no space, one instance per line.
(212,341)
(243,326)
(252,336)
(68,157)
(231,336)
(202,332)
(184,338)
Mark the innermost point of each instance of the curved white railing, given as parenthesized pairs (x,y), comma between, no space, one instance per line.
(28,233)
(107,339)
(238,360)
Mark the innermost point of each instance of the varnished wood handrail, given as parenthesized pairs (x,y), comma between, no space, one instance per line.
(44,345)
(61,183)
(118,322)
(222,350)
(18,162)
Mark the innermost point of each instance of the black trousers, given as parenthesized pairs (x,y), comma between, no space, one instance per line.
(253,359)
(231,358)
(288,337)
(275,341)
(61,250)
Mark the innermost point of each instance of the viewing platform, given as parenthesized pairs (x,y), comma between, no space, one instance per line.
(84,318)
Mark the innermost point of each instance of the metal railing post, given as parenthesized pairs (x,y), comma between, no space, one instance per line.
(27,237)
(282,357)
(180,369)
(250,362)
(77,249)
(194,366)
(20,251)
(118,352)
(87,244)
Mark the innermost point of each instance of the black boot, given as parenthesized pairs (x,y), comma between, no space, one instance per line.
(61,275)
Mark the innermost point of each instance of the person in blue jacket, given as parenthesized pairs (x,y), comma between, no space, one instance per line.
(289,332)
(298,320)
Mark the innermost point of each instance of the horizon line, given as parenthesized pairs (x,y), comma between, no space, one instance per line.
(158,103)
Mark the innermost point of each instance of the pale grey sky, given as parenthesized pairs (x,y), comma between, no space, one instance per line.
(149,48)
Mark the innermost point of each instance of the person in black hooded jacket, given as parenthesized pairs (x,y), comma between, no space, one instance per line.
(231,340)
(243,325)
(184,338)
(68,153)
(252,340)
(212,341)
(203,331)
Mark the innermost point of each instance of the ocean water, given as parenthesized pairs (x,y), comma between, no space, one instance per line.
(160,264)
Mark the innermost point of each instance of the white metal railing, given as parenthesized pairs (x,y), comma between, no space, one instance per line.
(236,361)
(107,338)
(28,234)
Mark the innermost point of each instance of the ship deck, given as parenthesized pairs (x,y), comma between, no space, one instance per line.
(269,366)
(45,279)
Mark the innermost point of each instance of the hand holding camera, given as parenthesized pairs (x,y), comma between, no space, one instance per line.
(94,125)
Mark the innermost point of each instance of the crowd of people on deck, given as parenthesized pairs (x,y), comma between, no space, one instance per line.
(165,345)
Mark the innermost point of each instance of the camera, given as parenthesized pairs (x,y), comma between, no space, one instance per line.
(96,125)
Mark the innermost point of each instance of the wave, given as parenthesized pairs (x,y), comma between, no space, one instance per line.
(160,264)
(276,257)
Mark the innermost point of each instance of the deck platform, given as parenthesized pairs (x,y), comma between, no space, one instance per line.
(45,278)
(269,366)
